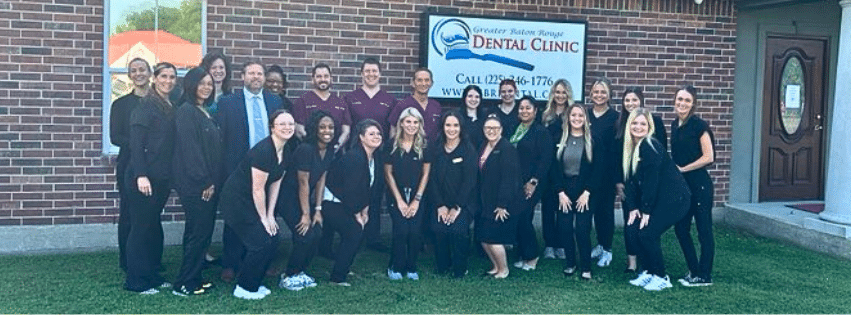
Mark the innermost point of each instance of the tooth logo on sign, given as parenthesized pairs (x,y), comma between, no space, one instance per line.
(453,34)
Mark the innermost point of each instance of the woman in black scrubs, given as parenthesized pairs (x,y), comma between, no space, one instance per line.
(693,149)
(451,191)
(139,71)
(535,152)
(506,110)
(248,199)
(633,98)
(554,116)
(499,196)
(657,197)
(349,185)
(603,119)
(575,177)
(473,115)
(151,147)
(299,202)
(406,170)
(197,162)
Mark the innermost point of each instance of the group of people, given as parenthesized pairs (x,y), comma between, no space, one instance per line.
(328,165)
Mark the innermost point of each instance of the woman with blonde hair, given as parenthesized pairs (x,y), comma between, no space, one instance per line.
(553,117)
(603,119)
(406,172)
(657,197)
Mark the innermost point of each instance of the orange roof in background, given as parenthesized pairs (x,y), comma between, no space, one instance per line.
(182,53)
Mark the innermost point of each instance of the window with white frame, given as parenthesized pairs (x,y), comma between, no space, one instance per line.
(156,30)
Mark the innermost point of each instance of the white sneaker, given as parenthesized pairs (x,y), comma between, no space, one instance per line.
(150,291)
(292,283)
(686,279)
(519,264)
(597,251)
(549,253)
(308,281)
(605,259)
(263,289)
(642,279)
(560,253)
(247,295)
(658,284)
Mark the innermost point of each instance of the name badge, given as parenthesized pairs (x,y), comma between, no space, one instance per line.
(457,160)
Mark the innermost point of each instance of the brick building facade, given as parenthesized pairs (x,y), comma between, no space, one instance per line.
(52,166)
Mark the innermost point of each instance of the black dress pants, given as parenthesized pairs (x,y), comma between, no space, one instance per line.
(304,246)
(603,203)
(549,211)
(260,248)
(527,240)
(575,229)
(700,209)
(200,219)
(452,243)
(123,213)
(338,218)
(407,240)
(144,247)
(649,238)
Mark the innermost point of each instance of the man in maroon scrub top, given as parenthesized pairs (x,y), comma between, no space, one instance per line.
(320,98)
(370,101)
(429,108)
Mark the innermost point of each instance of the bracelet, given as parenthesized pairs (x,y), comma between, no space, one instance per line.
(418,197)
(318,208)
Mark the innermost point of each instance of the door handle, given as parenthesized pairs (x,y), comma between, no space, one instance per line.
(819,127)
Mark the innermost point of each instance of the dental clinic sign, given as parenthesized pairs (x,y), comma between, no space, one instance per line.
(461,50)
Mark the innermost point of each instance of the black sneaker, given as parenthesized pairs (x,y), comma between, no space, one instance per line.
(207,285)
(686,279)
(184,291)
(698,282)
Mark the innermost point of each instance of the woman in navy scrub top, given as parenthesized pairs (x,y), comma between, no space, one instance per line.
(406,170)
(248,201)
(299,197)
(693,149)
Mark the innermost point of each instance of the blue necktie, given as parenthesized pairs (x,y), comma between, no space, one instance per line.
(259,125)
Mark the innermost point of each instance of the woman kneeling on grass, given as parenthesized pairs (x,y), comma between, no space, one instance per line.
(657,197)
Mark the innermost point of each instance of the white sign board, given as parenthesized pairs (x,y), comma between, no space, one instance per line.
(793,96)
(464,50)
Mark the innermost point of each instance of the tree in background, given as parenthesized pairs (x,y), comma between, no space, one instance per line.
(183,21)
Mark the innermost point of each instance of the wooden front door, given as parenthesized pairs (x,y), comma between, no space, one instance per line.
(793,109)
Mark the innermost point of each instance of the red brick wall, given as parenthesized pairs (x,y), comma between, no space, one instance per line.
(51,53)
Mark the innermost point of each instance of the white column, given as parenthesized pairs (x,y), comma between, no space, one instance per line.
(837,195)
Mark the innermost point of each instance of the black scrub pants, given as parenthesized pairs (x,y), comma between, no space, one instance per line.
(700,209)
(527,241)
(452,243)
(200,220)
(260,248)
(603,203)
(233,250)
(144,247)
(649,239)
(549,210)
(338,218)
(407,240)
(123,213)
(574,228)
(372,230)
(304,246)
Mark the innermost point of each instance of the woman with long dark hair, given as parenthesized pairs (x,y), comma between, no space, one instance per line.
(452,194)
(633,98)
(151,146)
(575,177)
(657,197)
(349,185)
(139,71)
(693,149)
(603,119)
(472,114)
(535,152)
(248,201)
(499,196)
(554,116)
(301,198)
(197,163)
(219,66)
(406,171)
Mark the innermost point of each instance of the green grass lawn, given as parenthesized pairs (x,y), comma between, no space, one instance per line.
(752,275)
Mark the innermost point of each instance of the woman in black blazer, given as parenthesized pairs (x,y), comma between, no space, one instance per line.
(657,197)
(248,199)
(139,71)
(197,162)
(451,192)
(301,192)
(576,176)
(534,151)
(151,147)
(499,196)
(349,186)
(633,98)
